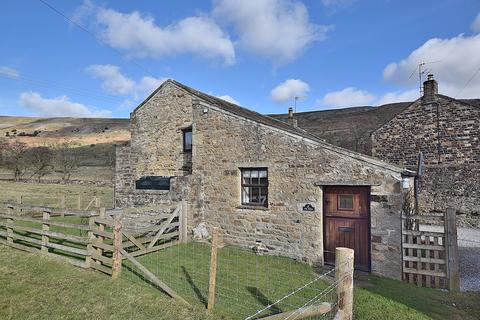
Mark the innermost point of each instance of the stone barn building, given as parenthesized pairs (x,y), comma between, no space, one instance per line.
(447,133)
(260,179)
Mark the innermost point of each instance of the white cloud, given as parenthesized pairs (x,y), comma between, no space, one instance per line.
(353,97)
(58,107)
(229,99)
(139,36)
(277,29)
(149,84)
(114,82)
(455,61)
(398,96)
(476,24)
(348,97)
(9,72)
(289,89)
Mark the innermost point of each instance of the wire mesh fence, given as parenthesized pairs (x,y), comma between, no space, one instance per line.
(248,285)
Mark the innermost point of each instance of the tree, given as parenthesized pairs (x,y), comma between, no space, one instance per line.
(15,157)
(3,150)
(40,159)
(66,159)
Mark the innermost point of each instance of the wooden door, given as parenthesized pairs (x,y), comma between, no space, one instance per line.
(346,223)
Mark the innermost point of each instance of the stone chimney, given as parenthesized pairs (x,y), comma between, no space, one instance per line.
(291,120)
(430,89)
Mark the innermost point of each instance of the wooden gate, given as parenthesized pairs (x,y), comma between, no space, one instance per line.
(161,230)
(347,223)
(429,249)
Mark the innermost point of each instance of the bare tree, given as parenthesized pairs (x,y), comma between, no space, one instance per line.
(40,160)
(66,159)
(3,150)
(16,158)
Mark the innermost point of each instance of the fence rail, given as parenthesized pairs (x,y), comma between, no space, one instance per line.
(430,258)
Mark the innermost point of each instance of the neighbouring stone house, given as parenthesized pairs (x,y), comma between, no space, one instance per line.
(447,133)
(261,180)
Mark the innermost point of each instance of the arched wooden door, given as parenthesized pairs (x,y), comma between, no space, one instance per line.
(346,223)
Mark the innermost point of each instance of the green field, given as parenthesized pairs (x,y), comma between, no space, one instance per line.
(37,287)
(49,194)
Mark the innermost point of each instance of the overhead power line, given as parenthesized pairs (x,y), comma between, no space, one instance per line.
(67,18)
(468,82)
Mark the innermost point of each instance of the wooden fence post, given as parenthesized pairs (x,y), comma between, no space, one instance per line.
(79,202)
(97,202)
(10,227)
(88,258)
(183,223)
(213,270)
(452,249)
(45,228)
(101,227)
(344,277)
(117,247)
(62,205)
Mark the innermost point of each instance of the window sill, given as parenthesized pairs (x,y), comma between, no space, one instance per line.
(150,191)
(247,207)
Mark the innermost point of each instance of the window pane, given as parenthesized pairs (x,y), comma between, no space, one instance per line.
(255,195)
(187,140)
(345,201)
(246,195)
(263,196)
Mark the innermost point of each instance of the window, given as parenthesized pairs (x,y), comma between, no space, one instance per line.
(345,201)
(187,140)
(153,183)
(255,187)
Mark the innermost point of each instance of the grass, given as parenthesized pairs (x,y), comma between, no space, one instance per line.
(247,282)
(36,287)
(49,194)
(33,286)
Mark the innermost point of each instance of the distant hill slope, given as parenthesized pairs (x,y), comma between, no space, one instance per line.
(349,128)
(84,131)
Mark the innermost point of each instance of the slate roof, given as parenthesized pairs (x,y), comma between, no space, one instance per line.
(246,113)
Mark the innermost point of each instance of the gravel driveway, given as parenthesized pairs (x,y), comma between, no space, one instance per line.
(469,253)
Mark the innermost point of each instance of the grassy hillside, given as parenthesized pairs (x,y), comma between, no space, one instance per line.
(349,128)
(84,131)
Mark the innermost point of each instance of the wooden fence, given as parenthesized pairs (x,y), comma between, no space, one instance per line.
(430,257)
(95,241)
(70,201)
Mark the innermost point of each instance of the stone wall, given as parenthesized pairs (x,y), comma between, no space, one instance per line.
(452,186)
(224,143)
(447,131)
(127,196)
(157,134)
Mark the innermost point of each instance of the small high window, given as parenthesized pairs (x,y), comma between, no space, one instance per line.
(187,140)
(255,186)
(153,183)
(345,201)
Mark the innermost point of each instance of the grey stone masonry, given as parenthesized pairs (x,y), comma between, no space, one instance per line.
(224,142)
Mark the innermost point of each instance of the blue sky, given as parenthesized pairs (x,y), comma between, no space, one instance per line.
(262,53)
